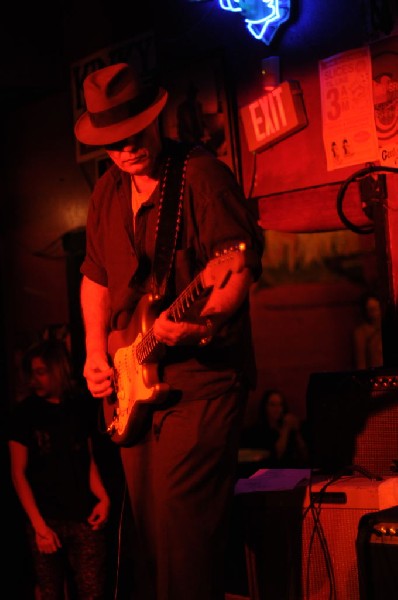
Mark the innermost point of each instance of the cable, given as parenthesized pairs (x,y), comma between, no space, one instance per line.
(365,472)
(319,531)
(343,188)
(119,544)
(253,178)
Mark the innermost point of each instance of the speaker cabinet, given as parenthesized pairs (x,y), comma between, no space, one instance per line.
(332,513)
(353,420)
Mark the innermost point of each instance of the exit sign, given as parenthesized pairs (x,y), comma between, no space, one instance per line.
(274,116)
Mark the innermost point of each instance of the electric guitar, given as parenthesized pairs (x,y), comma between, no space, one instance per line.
(135,351)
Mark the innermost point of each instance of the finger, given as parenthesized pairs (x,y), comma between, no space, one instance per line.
(93,519)
(100,385)
(100,391)
(98,375)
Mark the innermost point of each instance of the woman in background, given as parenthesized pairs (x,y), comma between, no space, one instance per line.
(368,348)
(56,477)
(278,433)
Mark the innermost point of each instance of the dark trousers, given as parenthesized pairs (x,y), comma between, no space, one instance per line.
(180,479)
(80,564)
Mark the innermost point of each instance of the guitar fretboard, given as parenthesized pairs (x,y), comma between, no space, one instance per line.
(149,344)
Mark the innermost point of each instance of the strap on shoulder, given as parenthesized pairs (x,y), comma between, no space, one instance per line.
(169,217)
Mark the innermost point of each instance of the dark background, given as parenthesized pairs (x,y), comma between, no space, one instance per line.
(299,327)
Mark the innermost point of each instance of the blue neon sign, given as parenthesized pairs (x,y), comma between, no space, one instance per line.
(262,17)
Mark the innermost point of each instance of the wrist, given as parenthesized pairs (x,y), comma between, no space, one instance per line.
(40,527)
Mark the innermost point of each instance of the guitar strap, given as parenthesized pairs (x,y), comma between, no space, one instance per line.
(169,217)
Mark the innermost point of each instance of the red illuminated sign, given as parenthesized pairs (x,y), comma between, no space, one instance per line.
(274,116)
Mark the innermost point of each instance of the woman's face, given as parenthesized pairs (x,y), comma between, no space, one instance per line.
(373,310)
(274,406)
(41,381)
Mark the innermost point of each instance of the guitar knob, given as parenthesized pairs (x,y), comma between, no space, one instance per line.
(110,430)
(120,395)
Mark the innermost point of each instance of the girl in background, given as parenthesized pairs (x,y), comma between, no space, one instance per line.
(278,433)
(56,477)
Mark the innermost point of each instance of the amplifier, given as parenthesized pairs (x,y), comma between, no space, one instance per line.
(377,555)
(353,420)
(332,512)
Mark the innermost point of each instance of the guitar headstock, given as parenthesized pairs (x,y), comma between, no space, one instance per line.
(218,269)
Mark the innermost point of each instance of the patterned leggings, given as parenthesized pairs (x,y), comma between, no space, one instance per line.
(81,562)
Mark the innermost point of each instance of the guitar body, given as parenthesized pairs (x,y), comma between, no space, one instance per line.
(134,352)
(137,386)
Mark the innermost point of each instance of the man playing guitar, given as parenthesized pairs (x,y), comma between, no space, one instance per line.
(166,311)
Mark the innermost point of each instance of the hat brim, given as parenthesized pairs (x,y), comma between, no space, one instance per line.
(86,133)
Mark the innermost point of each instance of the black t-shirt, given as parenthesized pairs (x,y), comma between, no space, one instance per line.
(56,436)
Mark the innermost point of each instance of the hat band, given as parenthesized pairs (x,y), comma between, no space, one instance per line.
(124,111)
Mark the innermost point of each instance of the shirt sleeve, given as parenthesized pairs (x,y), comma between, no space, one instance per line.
(93,263)
(222,214)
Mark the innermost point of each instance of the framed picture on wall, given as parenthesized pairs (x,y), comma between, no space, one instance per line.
(200,108)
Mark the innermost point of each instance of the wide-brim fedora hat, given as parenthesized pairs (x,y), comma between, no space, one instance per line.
(118,105)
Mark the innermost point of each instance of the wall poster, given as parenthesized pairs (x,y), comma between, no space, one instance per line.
(349,131)
(385,96)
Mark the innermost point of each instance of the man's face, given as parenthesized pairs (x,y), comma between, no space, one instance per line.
(137,154)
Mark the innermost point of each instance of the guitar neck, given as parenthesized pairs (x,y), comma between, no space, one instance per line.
(180,306)
(149,345)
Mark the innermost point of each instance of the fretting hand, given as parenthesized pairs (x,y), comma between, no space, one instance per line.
(173,334)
